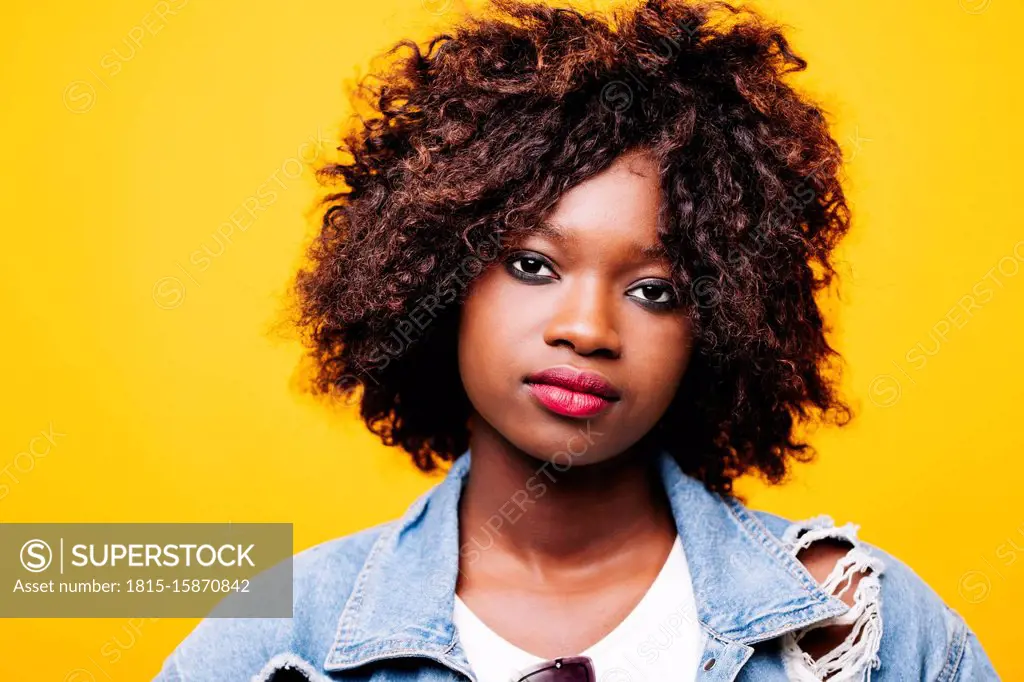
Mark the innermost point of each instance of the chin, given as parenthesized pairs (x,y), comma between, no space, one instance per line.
(570,449)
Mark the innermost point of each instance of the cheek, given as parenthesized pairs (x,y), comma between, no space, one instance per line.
(486,328)
(501,310)
(660,356)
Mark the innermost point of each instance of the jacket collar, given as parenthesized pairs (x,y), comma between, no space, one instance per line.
(748,586)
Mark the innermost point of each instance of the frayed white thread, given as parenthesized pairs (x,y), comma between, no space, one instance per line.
(857,655)
(284,661)
(797,531)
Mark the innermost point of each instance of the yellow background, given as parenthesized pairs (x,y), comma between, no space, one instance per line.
(131,135)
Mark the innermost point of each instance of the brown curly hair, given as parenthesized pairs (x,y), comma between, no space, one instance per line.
(472,139)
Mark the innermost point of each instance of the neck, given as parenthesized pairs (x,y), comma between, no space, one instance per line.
(555,515)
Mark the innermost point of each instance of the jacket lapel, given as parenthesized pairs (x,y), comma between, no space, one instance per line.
(748,588)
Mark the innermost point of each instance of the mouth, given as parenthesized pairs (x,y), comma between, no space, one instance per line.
(572,392)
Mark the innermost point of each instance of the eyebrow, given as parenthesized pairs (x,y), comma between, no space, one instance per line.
(551,231)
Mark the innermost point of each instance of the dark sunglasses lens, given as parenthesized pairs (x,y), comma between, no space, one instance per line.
(567,672)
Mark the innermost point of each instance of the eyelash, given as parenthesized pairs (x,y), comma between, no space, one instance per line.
(534,278)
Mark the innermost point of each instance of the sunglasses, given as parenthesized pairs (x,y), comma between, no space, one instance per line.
(567,669)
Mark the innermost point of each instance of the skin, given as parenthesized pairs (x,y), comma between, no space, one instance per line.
(563,522)
(585,307)
(560,568)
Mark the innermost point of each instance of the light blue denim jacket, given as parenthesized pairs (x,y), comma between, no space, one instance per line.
(377,604)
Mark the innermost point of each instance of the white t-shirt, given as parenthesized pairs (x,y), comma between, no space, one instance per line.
(659,640)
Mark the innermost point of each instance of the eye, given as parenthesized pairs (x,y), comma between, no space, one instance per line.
(658,295)
(529,267)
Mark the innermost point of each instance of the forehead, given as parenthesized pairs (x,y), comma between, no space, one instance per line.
(616,209)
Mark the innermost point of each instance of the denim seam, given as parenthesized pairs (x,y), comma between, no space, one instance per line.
(717,635)
(447,655)
(356,599)
(402,649)
(753,526)
(759,532)
(956,648)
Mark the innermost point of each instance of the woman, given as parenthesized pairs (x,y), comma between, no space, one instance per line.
(577,257)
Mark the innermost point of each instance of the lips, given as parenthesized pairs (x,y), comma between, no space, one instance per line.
(572,392)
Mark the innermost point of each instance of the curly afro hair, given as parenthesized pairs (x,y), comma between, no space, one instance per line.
(474,136)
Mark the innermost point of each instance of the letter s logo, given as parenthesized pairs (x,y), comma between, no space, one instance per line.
(36,556)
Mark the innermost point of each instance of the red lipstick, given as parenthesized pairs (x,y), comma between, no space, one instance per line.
(572,392)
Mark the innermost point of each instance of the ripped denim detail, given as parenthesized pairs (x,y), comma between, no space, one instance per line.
(288,668)
(857,655)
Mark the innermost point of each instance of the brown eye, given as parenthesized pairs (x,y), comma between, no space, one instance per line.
(655,295)
(529,267)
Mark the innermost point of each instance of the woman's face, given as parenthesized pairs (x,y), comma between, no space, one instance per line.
(577,341)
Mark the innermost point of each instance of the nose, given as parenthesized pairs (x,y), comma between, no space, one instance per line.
(584,319)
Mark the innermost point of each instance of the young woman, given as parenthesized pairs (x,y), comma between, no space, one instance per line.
(576,257)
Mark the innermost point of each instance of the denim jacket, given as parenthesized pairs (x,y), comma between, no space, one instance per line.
(377,604)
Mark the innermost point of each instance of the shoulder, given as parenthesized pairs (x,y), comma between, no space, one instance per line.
(323,577)
(916,627)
